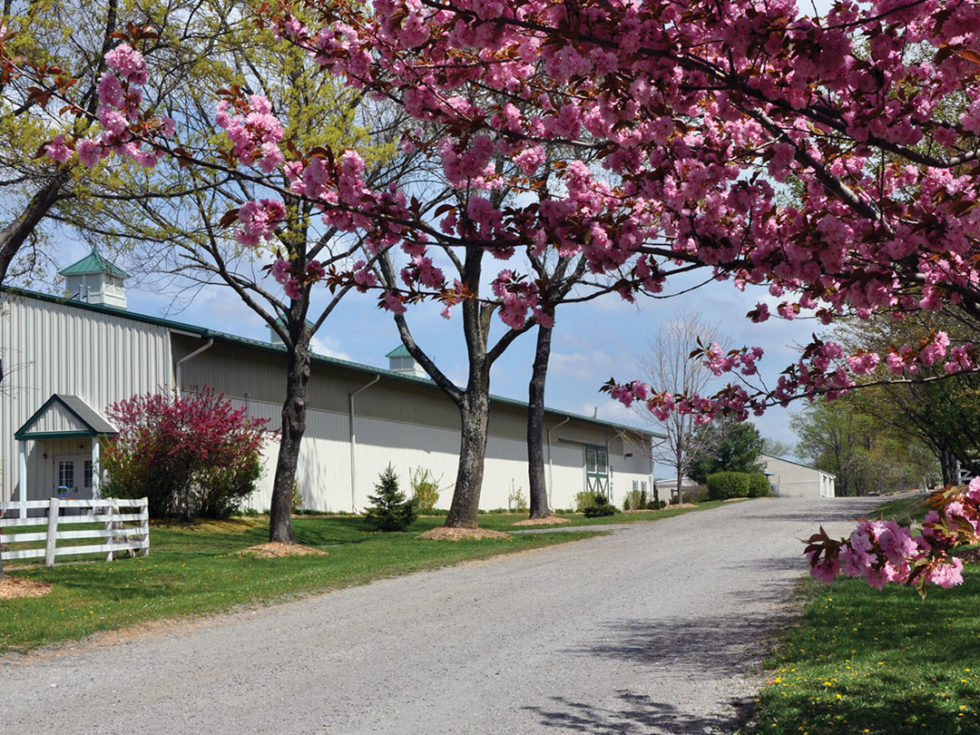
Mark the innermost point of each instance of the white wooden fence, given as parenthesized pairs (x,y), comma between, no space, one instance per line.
(125,527)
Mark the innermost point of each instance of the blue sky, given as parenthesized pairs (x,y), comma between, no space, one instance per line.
(592,341)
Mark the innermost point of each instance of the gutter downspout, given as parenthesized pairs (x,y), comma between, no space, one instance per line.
(353,438)
(550,481)
(186,358)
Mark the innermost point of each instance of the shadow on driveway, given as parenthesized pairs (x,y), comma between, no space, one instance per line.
(637,714)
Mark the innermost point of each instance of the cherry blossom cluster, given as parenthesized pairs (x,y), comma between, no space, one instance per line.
(255,133)
(824,370)
(518,296)
(295,277)
(696,115)
(883,552)
(124,130)
(687,108)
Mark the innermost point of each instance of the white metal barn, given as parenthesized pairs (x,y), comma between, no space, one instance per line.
(66,360)
(794,480)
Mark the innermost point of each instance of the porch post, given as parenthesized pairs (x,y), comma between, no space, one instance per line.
(22,477)
(96,474)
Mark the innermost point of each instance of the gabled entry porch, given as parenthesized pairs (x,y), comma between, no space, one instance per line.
(58,451)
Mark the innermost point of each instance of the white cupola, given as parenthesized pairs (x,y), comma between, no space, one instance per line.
(400,360)
(94,280)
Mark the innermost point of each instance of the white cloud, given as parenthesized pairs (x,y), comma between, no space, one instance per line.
(579,364)
(329,346)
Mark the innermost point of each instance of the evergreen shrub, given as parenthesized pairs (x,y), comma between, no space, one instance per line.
(391,510)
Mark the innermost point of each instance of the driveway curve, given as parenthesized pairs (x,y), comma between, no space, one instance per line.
(656,628)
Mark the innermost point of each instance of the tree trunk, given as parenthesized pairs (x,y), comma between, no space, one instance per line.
(293,428)
(474,417)
(538,487)
(948,464)
(16,233)
(680,478)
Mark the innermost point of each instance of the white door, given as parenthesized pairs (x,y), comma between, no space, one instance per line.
(72,477)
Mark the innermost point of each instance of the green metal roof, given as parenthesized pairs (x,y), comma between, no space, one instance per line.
(399,351)
(93,263)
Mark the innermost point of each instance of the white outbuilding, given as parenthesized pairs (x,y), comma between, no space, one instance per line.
(66,360)
(791,479)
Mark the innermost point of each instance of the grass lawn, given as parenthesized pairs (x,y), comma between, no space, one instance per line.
(881,662)
(196,569)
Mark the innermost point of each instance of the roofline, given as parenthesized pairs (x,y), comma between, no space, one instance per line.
(798,464)
(205,333)
(25,433)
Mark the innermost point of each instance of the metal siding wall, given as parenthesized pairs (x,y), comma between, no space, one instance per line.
(324,467)
(56,348)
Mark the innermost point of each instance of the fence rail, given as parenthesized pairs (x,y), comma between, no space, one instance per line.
(127,531)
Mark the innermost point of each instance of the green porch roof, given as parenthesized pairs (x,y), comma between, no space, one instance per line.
(83,419)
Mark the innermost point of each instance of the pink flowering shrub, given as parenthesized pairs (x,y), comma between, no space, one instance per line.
(194,455)
(883,552)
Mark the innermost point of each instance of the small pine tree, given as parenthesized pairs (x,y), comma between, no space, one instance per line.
(391,510)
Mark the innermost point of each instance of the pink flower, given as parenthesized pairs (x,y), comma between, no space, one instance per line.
(392,302)
(57,150)
(89,152)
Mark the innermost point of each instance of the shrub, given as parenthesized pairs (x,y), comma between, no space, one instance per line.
(759,486)
(390,511)
(425,489)
(517,500)
(296,502)
(194,455)
(583,500)
(724,485)
(635,500)
(602,507)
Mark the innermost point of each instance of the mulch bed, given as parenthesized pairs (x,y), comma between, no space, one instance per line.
(445,533)
(549,521)
(12,588)
(277,550)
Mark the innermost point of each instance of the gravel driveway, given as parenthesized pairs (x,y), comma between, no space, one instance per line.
(656,628)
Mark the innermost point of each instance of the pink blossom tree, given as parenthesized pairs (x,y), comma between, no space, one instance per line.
(832,158)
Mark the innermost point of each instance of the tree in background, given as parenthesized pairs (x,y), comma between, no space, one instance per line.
(193,455)
(668,363)
(931,408)
(725,445)
(842,438)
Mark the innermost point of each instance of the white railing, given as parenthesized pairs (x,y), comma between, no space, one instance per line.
(125,527)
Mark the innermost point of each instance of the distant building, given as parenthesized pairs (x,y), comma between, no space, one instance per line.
(66,360)
(795,480)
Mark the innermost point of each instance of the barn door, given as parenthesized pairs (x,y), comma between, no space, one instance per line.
(597,470)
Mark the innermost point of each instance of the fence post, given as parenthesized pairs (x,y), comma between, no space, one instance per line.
(145,524)
(110,526)
(52,539)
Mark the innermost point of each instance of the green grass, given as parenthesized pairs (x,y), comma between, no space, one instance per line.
(879,662)
(193,570)
(506,521)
